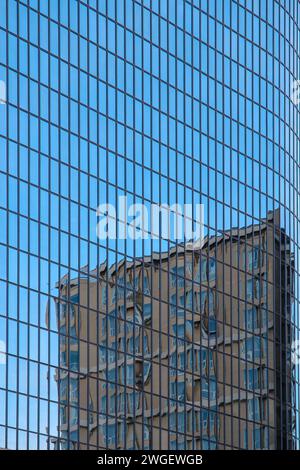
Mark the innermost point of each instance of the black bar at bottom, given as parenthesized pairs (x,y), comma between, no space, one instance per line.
(134,459)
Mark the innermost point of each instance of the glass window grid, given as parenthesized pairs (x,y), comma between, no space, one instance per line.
(159,299)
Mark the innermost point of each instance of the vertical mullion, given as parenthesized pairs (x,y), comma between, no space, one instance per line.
(49,419)
(98,284)
(153,426)
(88,278)
(7,227)
(39,242)
(79,231)
(18,243)
(28,267)
(134,242)
(170,373)
(60,290)
(107,250)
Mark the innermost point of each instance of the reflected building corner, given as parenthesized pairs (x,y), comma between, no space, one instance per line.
(185,349)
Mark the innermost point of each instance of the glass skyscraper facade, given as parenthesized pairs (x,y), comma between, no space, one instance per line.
(117,334)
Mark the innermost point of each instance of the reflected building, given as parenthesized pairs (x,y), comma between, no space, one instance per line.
(185,349)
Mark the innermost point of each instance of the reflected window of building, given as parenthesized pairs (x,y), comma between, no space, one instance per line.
(211,370)
(112,403)
(112,325)
(181,363)
(256,438)
(250,290)
(263,288)
(177,390)
(146,432)
(133,401)
(130,375)
(207,302)
(204,422)
(260,438)
(103,399)
(136,281)
(213,424)
(173,364)
(68,440)
(252,378)
(146,349)
(113,295)
(121,314)
(206,269)
(73,335)
(202,300)
(121,346)
(253,257)
(245,443)
(62,336)
(61,308)
(190,299)
(255,318)
(180,314)
(189,268)
(263,317)
(265,433)
(253,348)
(91,411)
(104,295)
(63,387)
(177,422)
(120,283)
(71,312)
(251,318)
(173,306)
(178,443)
(74,360)
(255,409)
(146,369)
(110,432)
(111,353)
(133,344)
(181,332)
(131,442)
(211,264)
(63,359)
(63,415)
(73,415)
(212,325)
(177,276)
(182,302)
(111,377)
(202,270)
(146,284)
(256,289)
(208,388)
(102,354)
(121,402)
(103,326)
(203,358)
(120,288)
(74,390)
(147,312)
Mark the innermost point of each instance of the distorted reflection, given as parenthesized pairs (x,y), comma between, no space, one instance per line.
(183,349)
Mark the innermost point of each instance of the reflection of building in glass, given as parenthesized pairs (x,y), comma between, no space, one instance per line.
(181,350)
(165,102)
